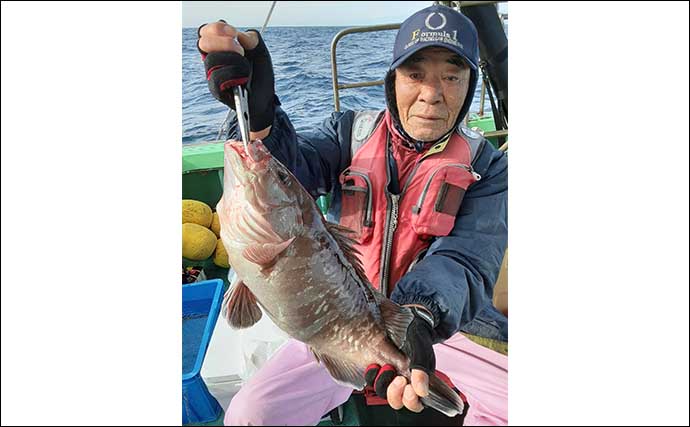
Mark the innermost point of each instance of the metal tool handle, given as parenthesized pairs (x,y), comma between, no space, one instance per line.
(242,108)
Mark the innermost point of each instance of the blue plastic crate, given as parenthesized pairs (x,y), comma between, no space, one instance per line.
(200,307)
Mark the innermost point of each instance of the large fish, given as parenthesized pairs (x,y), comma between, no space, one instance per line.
(305,274)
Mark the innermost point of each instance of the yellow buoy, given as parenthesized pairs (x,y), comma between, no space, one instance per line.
(198,243)
(220,257)
(194,211)
(215,224)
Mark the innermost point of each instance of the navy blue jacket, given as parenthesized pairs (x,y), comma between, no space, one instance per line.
(455,279)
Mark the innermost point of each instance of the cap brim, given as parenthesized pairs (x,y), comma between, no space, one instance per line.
(404,58)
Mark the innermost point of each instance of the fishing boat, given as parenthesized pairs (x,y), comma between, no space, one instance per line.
(232,356)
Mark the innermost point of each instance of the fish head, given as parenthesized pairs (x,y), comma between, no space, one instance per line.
(266,186)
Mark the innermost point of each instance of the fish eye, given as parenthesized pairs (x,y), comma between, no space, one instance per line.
(283,177)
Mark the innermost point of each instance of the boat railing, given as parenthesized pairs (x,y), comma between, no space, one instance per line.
(337,87)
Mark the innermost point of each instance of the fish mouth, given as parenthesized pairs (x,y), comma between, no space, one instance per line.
(248,169)
(244,155)
(246,163)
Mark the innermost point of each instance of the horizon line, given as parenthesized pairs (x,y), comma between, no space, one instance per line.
(302,26)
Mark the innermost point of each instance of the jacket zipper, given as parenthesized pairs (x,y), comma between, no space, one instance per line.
(391,225)
(368,212)
(418,206)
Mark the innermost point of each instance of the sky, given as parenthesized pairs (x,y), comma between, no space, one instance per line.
(299,13)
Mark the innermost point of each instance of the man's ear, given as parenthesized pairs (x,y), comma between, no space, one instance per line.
(389,83)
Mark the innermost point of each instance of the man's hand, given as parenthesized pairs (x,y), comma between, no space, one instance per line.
(400,393)
(418,347)
(230,57)
(221,37)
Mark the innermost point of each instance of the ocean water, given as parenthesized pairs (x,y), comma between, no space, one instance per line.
(301,62)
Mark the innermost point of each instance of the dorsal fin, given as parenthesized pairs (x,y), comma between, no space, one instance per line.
(347,245)
(397,319)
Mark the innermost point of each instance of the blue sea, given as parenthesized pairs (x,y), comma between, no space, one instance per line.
(301,61)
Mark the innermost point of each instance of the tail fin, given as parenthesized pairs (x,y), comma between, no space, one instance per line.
(442,398)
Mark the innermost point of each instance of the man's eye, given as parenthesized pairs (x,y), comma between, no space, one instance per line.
(416,76)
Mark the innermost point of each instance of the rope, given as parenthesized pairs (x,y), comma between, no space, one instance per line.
(270,11)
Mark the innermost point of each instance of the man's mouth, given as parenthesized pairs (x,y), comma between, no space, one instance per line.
(428,118)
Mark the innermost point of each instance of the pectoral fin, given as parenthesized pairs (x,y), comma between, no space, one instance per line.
(264,254)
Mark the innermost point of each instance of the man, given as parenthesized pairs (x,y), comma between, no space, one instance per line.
(425,197)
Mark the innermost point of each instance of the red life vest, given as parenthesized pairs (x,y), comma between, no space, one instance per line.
(392,231)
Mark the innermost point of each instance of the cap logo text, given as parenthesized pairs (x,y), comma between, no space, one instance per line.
(415,34)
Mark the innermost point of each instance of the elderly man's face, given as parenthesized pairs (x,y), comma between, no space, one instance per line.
(430,89)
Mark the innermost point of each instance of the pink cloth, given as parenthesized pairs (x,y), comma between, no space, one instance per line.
(292,388)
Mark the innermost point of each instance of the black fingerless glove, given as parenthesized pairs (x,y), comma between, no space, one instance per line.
(418,346)
(419,342)
(254,70)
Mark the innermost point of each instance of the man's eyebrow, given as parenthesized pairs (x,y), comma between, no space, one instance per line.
(457,60)
(417,58)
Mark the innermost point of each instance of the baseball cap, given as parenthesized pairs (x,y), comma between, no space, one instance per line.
(440,26)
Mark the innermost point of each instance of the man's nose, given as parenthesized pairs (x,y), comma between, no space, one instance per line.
(431,91)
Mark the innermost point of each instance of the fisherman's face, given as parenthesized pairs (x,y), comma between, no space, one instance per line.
(430,89)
